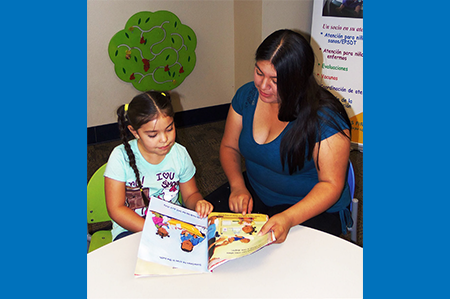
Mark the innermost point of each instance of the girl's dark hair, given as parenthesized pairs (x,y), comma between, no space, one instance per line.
(300,96)
(143,108)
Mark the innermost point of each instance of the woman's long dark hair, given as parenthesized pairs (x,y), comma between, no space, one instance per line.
(300,96)
(143,108)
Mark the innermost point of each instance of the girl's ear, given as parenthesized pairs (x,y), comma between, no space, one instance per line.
(133,131)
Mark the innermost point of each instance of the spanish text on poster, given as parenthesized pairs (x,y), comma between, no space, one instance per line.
(337,40)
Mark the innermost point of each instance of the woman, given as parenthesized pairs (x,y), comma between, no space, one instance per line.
(295,139)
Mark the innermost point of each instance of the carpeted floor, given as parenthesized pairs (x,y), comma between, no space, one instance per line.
(202,143)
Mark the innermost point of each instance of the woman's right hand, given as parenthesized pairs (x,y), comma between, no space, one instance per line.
(241,201)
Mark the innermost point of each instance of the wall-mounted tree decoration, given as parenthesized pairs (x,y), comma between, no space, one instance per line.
(155,51)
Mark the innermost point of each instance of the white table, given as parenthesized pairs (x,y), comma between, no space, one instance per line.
(309,264)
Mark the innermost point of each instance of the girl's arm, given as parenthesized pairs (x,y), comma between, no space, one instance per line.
(117,210)
(193,199)
(333,161)
(230,158)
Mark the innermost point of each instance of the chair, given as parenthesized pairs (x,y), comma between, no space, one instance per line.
(96,210)
(354,202)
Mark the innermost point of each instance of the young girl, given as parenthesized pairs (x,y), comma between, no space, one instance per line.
(151,166)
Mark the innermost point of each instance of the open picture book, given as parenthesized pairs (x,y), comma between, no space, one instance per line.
(175,240)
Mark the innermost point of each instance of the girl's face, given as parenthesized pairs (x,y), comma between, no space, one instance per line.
(265,78)
(156,138)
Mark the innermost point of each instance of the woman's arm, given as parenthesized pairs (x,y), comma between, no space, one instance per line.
(334,154)
(117,210)
(193,199)
(230,158)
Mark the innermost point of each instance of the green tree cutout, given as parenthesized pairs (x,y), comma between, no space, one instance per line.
(155,51)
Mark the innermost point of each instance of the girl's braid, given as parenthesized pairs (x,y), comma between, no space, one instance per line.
(131,157)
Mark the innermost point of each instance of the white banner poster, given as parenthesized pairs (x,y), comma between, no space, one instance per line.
(337,40)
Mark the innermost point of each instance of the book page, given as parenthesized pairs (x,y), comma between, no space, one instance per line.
(174,236)
(145,268)
(232,235)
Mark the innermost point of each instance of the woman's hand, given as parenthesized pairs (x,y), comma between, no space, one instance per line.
(203,208)
(279,224)
(241,201)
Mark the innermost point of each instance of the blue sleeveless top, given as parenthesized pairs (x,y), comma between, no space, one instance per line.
(274,185)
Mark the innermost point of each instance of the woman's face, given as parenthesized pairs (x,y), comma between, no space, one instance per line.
(265,78)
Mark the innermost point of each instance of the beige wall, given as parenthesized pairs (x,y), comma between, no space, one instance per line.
(247,37)
(290,14)
(228,33)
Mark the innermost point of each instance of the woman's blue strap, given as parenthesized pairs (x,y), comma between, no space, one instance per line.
(346,220)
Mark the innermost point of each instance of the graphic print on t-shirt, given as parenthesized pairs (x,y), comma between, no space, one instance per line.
(168,187)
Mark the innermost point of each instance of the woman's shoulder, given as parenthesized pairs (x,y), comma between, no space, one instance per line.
(247,90)
(332,121)
(246,95)
(247,86)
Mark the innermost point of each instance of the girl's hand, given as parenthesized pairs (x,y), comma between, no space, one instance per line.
(203,208)
(279,224)
(241,201)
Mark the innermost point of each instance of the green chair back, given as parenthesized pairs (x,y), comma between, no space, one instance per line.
(96,204)
(96,209)
(99,239)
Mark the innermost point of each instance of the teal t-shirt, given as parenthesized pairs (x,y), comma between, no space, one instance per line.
(159,181)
